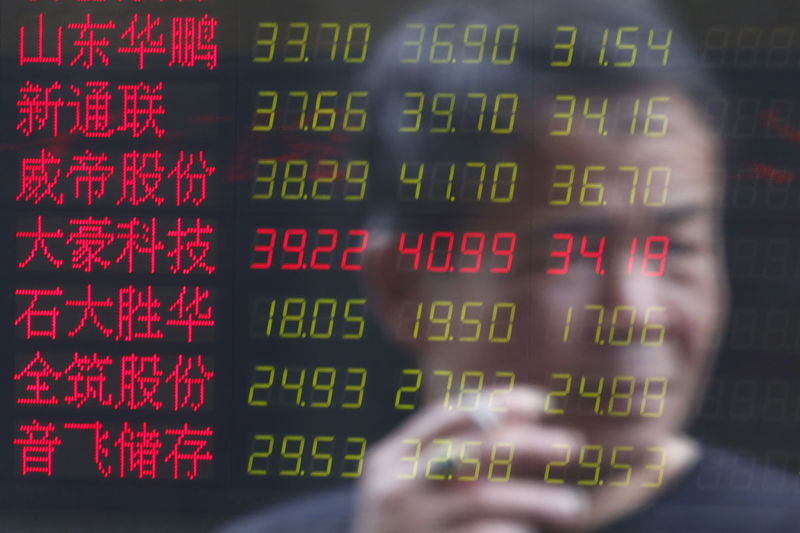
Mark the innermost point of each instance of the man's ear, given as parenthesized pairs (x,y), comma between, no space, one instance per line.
(387,287)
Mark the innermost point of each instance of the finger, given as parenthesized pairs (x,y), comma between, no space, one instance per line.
(534,446)
(525,404)
(496,526)
(515,501)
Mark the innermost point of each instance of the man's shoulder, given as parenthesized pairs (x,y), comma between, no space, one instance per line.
(327,512)
(725,493)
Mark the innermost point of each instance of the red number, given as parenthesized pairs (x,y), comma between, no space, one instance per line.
(358,249)
(327,249)
(299,249)
(416,252)
(661,256)
(597,255)
(477,253)
(506,251)
(564,254)
(448,258)
(267,249)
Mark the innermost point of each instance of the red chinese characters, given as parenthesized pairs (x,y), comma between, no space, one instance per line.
(132,245)
(135,178)
(37,448)
(121,314)
(131,382)
(136,109)
(91,42)
(134,450)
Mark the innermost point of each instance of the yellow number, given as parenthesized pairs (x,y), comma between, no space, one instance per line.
(567,116)
(417,113)
(265,113)
(449,387)
(416,182)
(471,321)
(509,331)
(295,172)
(356,387)
(659,328)
(328,458)
(297,318)
(502,392)
(635,173)
(358,457)
(444,321)
(498,102)
(261,385)
(327,334)
(621,466)
(481,179)
(300,43)
(465,460)
(413,459)
(303,96)
(446,113)
(661,47)
(414,43)
(482,98)
(264,185)
(599,116)
(358,114)
(650,176)
(297,386)
(592,394)
(494,461)
(565,185)
(587,186)
(512,48)
(480,44)
(657,397)
(354,319)
(447,45)
(661,118)
(632,320)
(475,390)
(359,179)
(601,313)
(326,113)
(626,396)
(296,455)
(558,394)
(260,455)
(630,47)
(657,467)
(595,464)
(568,46)
(445,446)
(334,42)
(413,389)
(319,179)
(564,462)
(350,30)
(325,387)
(267,43)
(496,180)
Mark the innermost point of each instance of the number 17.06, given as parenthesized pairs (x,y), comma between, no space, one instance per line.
(620,330)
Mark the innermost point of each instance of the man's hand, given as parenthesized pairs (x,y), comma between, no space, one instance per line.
(433,473)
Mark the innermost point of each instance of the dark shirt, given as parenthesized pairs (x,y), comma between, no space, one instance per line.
(723,493)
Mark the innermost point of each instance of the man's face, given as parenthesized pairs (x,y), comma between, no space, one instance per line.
(619,294)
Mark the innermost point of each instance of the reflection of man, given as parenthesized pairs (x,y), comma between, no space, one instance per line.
(620,300)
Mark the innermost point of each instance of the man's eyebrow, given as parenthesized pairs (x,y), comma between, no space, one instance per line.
(678,213)
(656,216)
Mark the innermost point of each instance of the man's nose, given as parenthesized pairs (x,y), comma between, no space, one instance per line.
(627,290)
